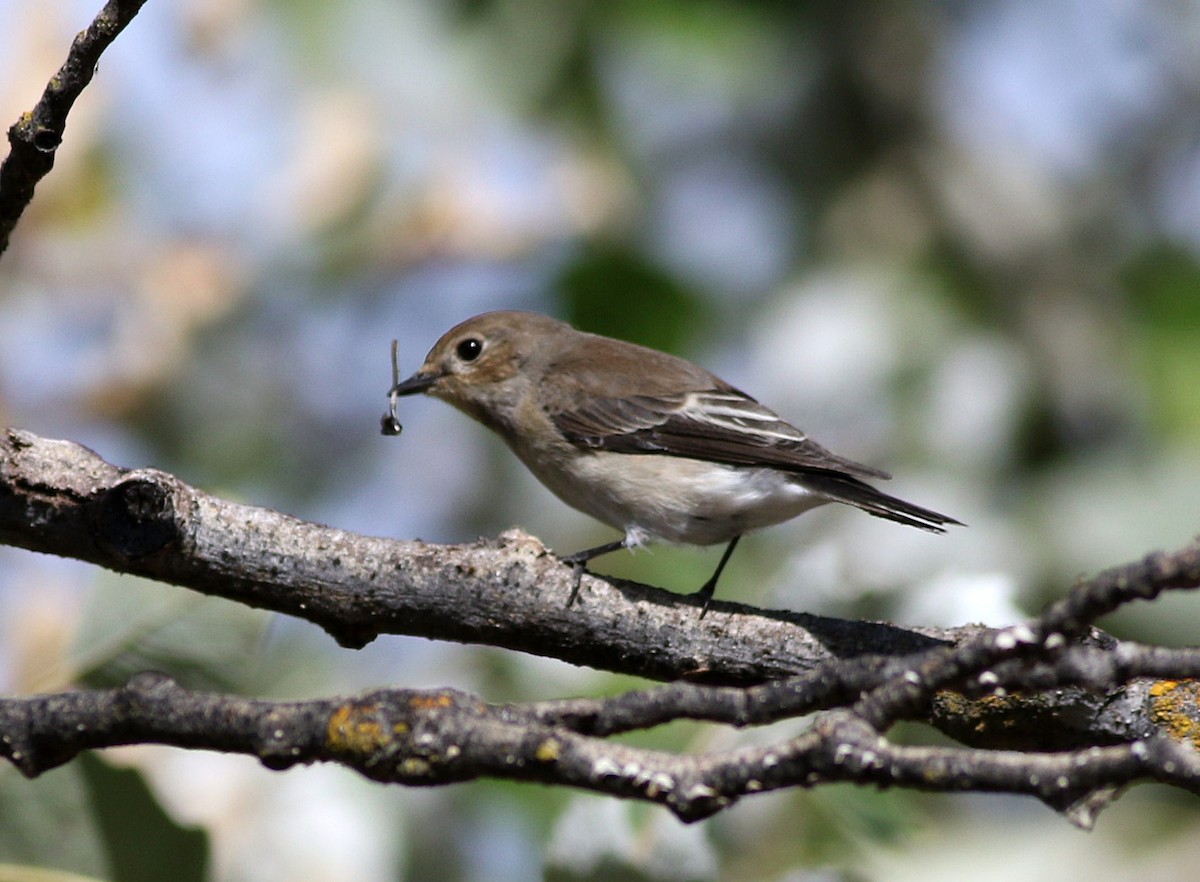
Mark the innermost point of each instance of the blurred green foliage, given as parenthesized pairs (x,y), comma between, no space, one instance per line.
(1163,287)
(140,839)
(612,291)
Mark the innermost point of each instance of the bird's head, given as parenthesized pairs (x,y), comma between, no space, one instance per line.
(477,365)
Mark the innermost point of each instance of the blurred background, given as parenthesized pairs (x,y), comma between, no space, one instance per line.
(956,240)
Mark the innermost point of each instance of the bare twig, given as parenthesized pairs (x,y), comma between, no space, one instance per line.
(36,136)
(437,737)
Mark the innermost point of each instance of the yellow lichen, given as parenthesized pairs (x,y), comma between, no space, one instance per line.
(356,729)
(1175,707)
(430,702)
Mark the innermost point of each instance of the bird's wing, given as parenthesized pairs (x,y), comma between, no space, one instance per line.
(717,425)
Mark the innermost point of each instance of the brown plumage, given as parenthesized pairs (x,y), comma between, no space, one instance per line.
(644,441)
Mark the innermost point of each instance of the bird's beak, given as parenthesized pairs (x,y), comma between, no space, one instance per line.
(418,382)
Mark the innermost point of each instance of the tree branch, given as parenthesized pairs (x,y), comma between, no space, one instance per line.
(423,738)
(61,498)
(1051,707)
(35,137)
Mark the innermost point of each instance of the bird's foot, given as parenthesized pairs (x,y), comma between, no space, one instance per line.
(579,560)
(705,593)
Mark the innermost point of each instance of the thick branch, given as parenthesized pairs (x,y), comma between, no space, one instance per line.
(60,498)
(36,136)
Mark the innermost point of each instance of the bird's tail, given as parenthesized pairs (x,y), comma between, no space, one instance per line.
(843,488)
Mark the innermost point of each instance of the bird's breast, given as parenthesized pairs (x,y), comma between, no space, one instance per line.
(667,497)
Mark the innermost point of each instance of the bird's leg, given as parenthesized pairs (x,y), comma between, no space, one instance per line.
(707,589)
(579,560)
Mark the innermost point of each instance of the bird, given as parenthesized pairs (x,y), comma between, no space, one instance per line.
(641,440)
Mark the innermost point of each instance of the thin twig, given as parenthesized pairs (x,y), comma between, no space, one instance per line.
(35,137)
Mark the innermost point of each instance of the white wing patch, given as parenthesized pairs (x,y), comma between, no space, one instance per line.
(738,414)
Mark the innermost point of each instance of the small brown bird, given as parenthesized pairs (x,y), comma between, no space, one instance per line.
(644,441)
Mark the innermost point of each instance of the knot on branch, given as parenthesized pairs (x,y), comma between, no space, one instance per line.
(137,517)
(45,139)
(29,129)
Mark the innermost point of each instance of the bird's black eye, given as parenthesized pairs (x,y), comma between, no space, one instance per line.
(469,349)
